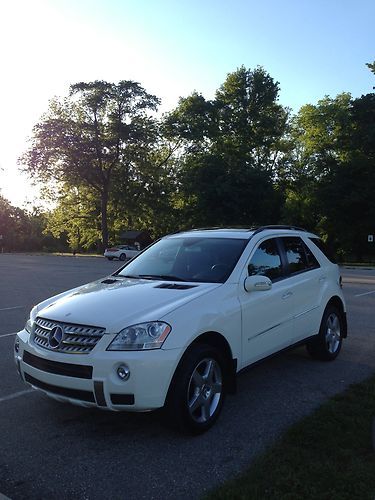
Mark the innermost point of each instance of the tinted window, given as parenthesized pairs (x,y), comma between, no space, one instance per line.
(266,261)
(311,260)
(324,249)
(187,259)
(299,256)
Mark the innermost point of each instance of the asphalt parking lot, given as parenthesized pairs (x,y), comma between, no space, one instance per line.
(57,451)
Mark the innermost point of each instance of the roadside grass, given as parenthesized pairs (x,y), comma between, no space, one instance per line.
(328,455)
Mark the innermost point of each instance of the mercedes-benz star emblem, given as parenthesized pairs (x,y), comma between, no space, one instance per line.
(55,337)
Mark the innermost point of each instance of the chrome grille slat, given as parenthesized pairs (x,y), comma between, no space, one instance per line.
(77,339)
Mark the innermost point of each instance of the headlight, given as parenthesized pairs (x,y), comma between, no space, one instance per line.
(29,326)
(30,322)
(142,336)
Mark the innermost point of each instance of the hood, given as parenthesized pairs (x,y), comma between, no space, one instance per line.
(114,303)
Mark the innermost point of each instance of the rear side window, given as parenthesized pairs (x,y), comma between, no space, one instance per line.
(298,255)
(323,247)
(266,261)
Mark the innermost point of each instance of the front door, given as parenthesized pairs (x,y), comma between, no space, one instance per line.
(267,316)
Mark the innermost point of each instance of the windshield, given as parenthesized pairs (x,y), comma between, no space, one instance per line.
(209,260)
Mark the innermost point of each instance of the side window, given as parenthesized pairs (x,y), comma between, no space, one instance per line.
(299,256)
(311,259)
(266,261)
(323,247)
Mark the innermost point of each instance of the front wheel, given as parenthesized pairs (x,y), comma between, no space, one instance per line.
(122,256)
(197,391)
(327,344)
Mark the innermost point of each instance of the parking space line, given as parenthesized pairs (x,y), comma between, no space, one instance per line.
(11,308)
(16,395)
(7,334)
(366,293)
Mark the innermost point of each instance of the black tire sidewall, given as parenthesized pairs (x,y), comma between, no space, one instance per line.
(122,257)
(317,347)
(177,408)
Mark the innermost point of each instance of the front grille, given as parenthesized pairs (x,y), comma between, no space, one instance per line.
(75,339)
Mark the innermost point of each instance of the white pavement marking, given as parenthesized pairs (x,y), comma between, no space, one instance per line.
(362,294)
(16,395)
(11,308)
(7,334)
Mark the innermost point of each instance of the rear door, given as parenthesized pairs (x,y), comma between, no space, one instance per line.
(306,280)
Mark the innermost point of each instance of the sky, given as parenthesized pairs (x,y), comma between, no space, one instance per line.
(312,48)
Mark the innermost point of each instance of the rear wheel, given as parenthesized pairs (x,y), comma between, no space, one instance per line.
(197,390)
(327,344)
(122,256)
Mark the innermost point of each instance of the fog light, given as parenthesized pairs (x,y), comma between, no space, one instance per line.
(17,345)
(123,372)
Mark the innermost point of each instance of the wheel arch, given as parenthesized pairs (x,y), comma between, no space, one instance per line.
(219,342)
(338,303)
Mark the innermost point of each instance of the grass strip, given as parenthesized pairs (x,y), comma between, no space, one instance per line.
(327,456)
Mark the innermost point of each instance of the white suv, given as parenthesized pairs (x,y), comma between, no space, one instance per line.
(174,326)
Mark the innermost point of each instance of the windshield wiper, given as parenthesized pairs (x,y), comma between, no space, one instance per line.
(165,277)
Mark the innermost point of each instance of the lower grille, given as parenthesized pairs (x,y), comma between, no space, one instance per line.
(66,337)
(58,368)
(122,399)
(61,391)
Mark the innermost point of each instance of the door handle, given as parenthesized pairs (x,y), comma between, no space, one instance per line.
(287,295)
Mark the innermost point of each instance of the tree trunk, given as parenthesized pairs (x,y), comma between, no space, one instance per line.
(104,219)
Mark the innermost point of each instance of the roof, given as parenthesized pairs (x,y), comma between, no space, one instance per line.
(235,232)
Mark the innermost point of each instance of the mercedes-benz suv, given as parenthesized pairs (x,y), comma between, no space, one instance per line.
(173,326)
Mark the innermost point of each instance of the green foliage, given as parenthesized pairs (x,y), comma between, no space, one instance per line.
(86,139)
(76,218)
(330,181)
(328,455)
(21,229)
(371,66)
(231,150)
(238,159)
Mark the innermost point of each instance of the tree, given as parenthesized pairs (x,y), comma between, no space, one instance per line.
(232,147)
(331,176)
(23,229)
(371,66)
(87,138)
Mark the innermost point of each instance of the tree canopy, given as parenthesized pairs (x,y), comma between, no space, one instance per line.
(241,158)
(87,138)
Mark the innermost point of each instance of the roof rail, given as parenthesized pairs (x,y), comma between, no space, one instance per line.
(264,228)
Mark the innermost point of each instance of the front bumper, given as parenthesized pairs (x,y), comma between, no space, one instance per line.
(91,379)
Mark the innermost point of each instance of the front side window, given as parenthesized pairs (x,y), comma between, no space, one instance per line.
(197,259)
(266,261)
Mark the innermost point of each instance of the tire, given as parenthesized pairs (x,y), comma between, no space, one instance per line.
(327,344)
(197,392)
(122,256)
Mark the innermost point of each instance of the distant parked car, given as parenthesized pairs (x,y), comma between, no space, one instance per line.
(121,252)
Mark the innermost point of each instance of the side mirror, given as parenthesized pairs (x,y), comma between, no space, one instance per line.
(257,283)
